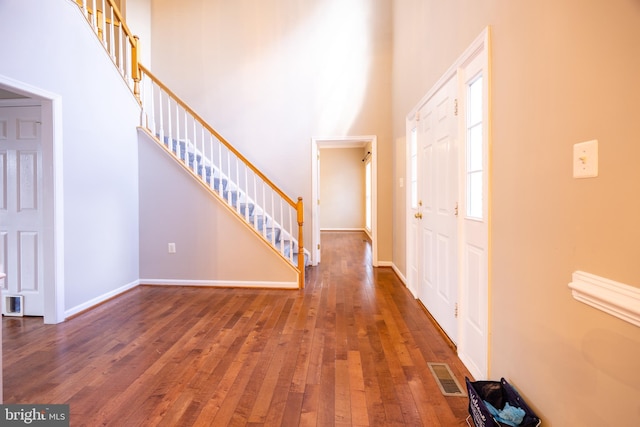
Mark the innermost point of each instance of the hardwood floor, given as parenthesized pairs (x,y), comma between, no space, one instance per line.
(351,349)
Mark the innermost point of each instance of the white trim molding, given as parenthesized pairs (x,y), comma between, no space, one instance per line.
(618,299)
(100,299)
(220,283)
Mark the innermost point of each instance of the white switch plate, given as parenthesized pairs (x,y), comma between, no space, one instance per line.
(172,248)
(585,159)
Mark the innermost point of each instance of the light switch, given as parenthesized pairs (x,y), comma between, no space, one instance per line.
(585,159)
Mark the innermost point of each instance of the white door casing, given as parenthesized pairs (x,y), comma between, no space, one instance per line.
(21,206)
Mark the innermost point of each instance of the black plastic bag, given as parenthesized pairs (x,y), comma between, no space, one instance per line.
(497,393)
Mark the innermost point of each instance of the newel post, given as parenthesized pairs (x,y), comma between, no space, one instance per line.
(135,69)
(301,263)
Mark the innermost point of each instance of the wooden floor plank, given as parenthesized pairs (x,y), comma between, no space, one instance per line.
(350,349)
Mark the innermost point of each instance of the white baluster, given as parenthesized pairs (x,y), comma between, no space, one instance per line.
(112,51)
(119,52)
(195,144)
(264,209)
(255,201)
(246,191)
(220,163)
(186,136)
(237,183)
(85,10)
(152,110)
(273,212)
(177,152)
(170,132)
(143,100)
(104,24)
(203,172)
(160,118)
(281,225)
(211,160)
(94,18)
(229,174)
(290,235)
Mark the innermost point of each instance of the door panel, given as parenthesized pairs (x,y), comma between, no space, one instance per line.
(438,178)
(21,213)
(27,182)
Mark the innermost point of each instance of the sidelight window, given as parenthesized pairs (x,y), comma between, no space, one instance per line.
(474,161)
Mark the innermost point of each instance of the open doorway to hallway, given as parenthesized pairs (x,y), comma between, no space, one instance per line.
(344,188)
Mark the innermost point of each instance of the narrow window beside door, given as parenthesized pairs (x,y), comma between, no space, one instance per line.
(414,167)
(474,170)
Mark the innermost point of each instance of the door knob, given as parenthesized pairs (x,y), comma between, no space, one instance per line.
(418,215)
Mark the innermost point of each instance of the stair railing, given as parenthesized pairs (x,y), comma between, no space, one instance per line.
(120,43)
(230,176)
(204,152)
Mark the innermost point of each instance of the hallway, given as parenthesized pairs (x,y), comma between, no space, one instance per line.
(351,349)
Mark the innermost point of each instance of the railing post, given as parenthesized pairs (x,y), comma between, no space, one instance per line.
(100,22)
(301,263)
(135,69)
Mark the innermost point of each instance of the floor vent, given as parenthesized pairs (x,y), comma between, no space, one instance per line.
(448,384)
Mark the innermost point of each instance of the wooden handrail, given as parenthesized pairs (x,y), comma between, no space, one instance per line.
(217,135)
(118,15)
(99,21)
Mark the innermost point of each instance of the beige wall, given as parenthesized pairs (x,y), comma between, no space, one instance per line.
(212,246)
(342,188)
(270,75)
(563,73)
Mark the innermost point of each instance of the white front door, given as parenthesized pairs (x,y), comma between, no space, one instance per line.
(21,211)
(448,194)
(437,176)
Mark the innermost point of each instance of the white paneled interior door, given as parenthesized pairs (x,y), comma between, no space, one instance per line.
(437,176)
(21,210)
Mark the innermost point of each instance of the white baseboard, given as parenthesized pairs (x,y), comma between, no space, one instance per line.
(343,229)
(164,282)
(220,283)
(102,298)
(400,275)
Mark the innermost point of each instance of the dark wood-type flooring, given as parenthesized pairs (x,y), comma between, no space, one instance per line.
(351,349)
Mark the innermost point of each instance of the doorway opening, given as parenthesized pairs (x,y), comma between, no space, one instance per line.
(16,95)
(367,165)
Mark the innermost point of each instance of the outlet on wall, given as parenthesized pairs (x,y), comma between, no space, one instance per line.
(172,248)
